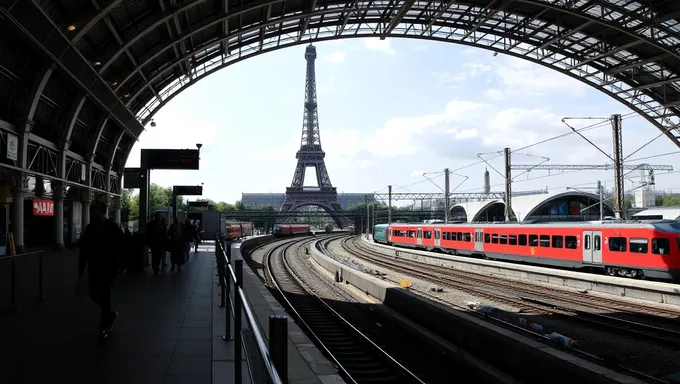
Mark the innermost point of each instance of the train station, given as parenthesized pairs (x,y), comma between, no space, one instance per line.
(570,286)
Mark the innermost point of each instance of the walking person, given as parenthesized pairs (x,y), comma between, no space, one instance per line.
(156,236)
(188,233)
(164,224)
(100,250)
(176,245)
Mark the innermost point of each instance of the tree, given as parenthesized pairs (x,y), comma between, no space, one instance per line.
(159,197)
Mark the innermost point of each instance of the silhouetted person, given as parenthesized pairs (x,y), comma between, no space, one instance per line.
(189,234)
(176,245)
(99,251)
(166,242)
(156,237)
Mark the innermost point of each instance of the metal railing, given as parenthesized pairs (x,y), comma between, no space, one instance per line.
(274,357)
(12,291)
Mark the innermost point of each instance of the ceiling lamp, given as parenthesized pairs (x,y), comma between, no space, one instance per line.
(126,94)
(96,63)
(114,83)
(71,27)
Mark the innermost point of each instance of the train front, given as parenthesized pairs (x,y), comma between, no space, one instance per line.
(277,230)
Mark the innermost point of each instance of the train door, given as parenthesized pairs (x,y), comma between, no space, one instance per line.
(479,240)
(419,236)
(592,246)
(437,236)
(587,246)
(597,247)
(388,234)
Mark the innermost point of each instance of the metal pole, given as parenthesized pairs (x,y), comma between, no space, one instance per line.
(278,344)
(601,193)
(508,185)
(41,297)
(227,300)
(618,166)
(238,368)
(173,202)
(389,204)
(446,195)
(144,186)
(368,224)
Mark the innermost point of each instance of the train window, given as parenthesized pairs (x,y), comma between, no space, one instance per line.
(427,234)
(661,246)
(598,242)
(504,239)
(617,244)
(487,238)
(586,242)
(570,242)
(533,240)
(437,235)
(545,241)
(639,245)
(494,238)
(557,241)
(512,240)
(522,239)
(411,233)
(467,237)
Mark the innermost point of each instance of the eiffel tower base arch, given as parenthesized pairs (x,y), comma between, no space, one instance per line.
(326,200)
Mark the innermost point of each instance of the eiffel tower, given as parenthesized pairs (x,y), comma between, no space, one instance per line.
(310,155)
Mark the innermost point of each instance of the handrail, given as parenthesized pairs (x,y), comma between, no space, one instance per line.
(7,257)
(13,299)
(240,302)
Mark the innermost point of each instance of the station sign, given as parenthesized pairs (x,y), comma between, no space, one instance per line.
(188,190)
(197,203)
(43,207)
(178,159)
(132,178)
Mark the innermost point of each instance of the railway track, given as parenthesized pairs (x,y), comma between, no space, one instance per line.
(358,358)
(539,300)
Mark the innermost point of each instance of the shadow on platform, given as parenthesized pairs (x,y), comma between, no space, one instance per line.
(162,335)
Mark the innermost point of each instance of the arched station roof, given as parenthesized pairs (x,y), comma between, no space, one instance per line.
(80,78)
(472,209)
(522,206)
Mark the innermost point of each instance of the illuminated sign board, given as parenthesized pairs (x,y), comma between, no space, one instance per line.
(180,159)
(188,190)
(43,208)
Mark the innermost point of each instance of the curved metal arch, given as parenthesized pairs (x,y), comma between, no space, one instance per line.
(486,31)
(656,114)
(482,5)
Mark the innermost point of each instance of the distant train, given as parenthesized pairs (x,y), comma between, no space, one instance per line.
(281,230)
(350,229)
(327,227)
(628,249)
(238,230)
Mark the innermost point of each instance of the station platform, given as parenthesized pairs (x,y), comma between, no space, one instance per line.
(168,330)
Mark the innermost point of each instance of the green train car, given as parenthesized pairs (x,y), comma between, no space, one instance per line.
(380,233)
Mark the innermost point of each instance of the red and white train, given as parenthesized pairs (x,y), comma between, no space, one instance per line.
(290,229)
(650,250)
(238,230)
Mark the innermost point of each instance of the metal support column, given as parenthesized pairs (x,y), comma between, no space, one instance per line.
(389,204)
(368,222)
(600,192)
(508,184)
(618,166)
(144,187)
(446,195)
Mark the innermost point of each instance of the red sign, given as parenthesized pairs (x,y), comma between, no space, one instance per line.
(43,208)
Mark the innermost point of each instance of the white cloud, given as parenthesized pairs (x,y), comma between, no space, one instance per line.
(375,44)
(522,78)
(448,78)
(494,94)
(335,57)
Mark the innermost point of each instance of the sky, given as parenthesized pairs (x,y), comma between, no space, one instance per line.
(390,111)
